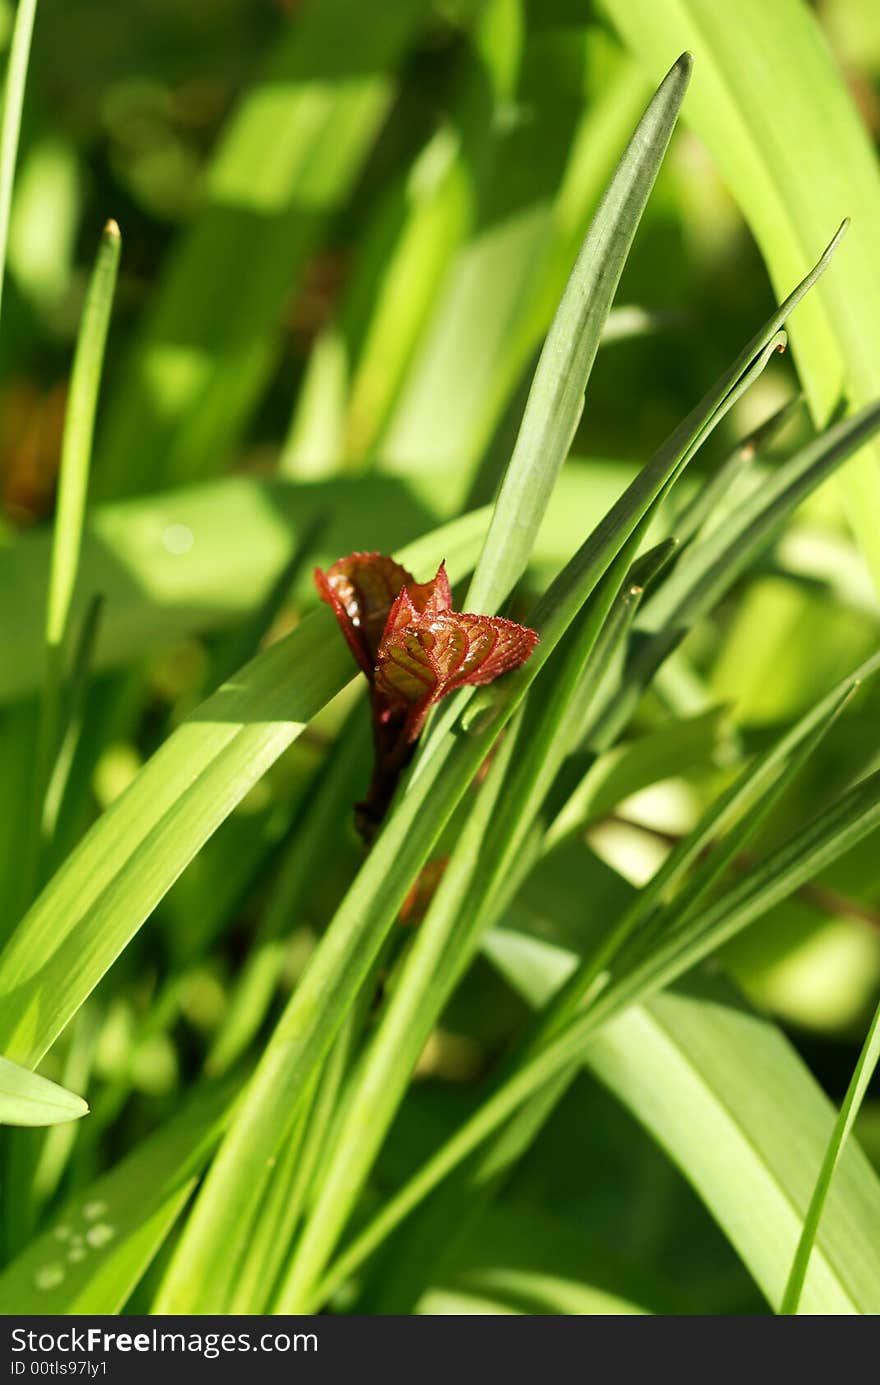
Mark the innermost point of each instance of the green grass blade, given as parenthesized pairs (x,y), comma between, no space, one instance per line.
(710,566)
(555,400)
(570,994)
(338,784)
(382,1076)
(28,1099)
(76,691)
(559,605)
(765,781)
(845,823)
(98,1246)
(580,798)
(13,100)
(79,426)
(804,855)
(864,1071)
(794,153)
(684,1063)
(73,481)
(692,516)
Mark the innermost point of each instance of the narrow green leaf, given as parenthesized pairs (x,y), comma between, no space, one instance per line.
(555,400)
(383,1074)
(28,1099)
(98,1247)
(73,481)
(13,100)
(633,765)
(79,425)
(759,785)
(845,823)
(693,515)
(710,566)
(82,666)
(799,743)
(786,137)
(807,1245)
(684,1063)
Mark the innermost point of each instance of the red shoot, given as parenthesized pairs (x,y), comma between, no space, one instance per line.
(414,650)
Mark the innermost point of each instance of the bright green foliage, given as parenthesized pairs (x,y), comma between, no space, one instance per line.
(28,1099)
(443,282)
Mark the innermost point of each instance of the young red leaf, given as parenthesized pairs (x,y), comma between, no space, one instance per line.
(424,661)
(360,590)
(414,650)
(418,599)
(363,589)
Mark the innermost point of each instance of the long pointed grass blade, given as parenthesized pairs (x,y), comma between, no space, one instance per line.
(758,131)
(846,822)
(556,398)
(855,1094)
(73,481)
(13,100)
(26,1098)
(711,566)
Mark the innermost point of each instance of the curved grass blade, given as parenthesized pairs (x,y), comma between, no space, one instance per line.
(97,1248)
(785,134)
(556,396)
(709,568)
(759,787)
(845,823)
(756,784)
(79,427)
(684,1063)
(28,1099)
(73,481)
(13,100)
(864,1071)
(76,690)
(690,519)
(385,1070)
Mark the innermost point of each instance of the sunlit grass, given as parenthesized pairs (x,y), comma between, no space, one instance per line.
(287,1072)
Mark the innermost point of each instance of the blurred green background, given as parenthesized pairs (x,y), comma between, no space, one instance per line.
(345,232)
